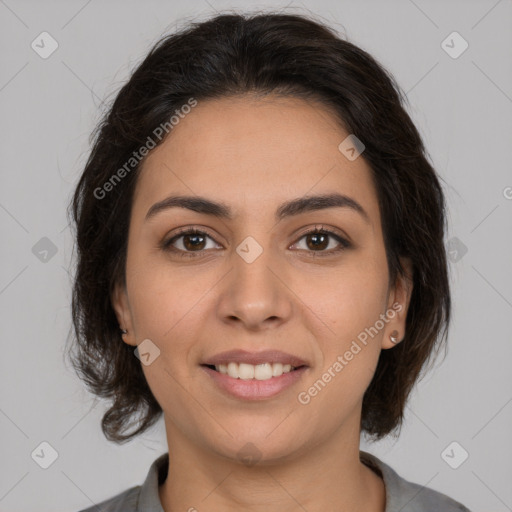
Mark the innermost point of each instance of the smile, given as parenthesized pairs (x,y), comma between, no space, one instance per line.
(246,371)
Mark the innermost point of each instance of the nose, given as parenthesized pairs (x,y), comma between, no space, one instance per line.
(255,294)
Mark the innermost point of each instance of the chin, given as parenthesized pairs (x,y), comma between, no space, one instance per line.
(260,447)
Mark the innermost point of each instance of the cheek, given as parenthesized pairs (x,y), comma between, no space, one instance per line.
(164,300)
(347,300)
(167,309)
(344,315)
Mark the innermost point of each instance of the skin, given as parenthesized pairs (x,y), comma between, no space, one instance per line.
(253,154)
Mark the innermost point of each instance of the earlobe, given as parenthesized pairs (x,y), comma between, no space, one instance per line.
(398,306)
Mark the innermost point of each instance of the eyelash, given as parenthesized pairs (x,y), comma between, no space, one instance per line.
(167,244)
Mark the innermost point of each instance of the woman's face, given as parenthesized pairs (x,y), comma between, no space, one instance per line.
(255,281)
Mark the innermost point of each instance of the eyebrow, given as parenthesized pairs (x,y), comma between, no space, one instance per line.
(288,209)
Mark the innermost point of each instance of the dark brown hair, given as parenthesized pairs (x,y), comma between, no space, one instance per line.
(236,54)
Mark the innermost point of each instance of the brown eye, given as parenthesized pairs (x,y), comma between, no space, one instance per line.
(188,242)
(193,242)
(318,240)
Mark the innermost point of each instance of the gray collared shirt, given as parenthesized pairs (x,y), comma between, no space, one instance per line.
(401,495)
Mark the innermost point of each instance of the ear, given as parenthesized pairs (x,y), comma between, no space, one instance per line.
(121,305)
(398,305)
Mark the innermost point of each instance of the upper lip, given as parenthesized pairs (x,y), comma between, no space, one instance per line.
(254,358)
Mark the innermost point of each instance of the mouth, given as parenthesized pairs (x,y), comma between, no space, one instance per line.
(254,376)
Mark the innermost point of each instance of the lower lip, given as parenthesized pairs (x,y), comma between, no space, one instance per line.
(253,389)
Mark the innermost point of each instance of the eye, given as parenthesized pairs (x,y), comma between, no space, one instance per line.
(187,242)
(317,240)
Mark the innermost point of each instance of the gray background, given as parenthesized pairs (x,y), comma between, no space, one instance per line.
(463,108)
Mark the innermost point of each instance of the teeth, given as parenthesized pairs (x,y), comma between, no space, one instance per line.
(277,369)
(263,371)
(245,371)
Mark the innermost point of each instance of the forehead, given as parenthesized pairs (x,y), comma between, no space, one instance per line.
(254,153)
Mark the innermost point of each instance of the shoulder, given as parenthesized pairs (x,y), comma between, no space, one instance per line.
(140,497)
(417,498)
(125,501)
(408,496)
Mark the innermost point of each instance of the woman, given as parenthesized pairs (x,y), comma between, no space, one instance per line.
(261,259)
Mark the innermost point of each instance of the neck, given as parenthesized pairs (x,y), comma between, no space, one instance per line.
(328,477)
